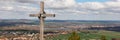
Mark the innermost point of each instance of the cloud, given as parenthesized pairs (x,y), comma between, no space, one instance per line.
(15,10)
(92,5)
(59,3)
(67,8)
(115,0)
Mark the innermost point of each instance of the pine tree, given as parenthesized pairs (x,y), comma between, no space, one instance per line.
(74,36)
(103,37)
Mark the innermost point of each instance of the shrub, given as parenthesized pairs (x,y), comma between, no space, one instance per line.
(74,36)
(103,37)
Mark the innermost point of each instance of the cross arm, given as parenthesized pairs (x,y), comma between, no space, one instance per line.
(44,15)
(48,15)
(34,15)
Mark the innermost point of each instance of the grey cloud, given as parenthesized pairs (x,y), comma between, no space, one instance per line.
(64,7)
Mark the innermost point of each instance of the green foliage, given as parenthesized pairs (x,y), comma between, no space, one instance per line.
(74,36)
(83,36)
(103,37)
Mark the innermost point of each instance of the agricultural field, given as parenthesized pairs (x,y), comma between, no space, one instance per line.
(89,35)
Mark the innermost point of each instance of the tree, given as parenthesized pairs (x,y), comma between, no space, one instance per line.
(103,37)
(74,36)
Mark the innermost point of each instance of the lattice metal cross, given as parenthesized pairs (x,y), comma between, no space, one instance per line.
(42,15)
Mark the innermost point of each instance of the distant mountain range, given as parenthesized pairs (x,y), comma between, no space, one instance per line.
(29,20)
(10,22)
(62,23)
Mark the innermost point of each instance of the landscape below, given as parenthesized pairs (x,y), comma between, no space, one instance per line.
(59,29)
(90,35)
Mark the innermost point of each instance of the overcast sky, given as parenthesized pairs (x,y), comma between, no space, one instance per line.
(64,9)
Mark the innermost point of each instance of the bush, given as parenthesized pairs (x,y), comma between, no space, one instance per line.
(103,37)
(74,36)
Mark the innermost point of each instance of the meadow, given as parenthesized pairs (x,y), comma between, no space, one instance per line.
(90,35)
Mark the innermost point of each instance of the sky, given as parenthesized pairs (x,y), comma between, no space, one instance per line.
(64,9)
(91,0)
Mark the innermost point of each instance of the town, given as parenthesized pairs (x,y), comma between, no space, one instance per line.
(31,32)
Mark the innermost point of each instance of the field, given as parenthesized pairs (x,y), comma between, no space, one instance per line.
(91,35)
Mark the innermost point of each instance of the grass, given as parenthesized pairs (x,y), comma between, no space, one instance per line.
(109,35)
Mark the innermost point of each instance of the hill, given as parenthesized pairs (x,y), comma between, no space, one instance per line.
(109,35)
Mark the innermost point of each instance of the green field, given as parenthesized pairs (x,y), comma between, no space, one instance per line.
(91,35)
